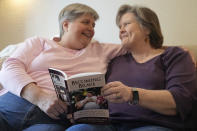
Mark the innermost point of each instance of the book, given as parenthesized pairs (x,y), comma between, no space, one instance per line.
(82,92)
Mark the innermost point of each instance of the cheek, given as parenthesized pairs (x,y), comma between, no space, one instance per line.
(76,29)
(120,37)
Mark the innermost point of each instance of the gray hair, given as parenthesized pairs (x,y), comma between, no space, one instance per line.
(147,18)
(74,11)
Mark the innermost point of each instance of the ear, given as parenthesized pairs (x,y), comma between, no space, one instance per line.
(146,31)
(65,25)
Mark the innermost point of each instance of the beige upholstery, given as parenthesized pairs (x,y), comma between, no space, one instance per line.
(193,49)
(1,61)
(3,55)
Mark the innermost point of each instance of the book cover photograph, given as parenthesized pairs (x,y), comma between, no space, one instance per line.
(82,92)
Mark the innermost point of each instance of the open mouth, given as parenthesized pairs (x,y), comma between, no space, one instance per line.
(87,34)
(124,36)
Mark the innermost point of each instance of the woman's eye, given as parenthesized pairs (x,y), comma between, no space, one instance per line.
(125,24)
(85,22)
(93,25)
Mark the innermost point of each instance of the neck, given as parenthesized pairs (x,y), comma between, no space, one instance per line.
(65,43)
(144,52)
(141,49)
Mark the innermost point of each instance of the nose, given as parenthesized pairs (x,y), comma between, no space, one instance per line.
(91,27)
(121,31)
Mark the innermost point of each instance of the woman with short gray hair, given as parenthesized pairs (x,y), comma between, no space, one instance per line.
(72,12)
(31,102)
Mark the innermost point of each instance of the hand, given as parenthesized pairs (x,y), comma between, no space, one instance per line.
(116,92)
(51,105)
(47,102)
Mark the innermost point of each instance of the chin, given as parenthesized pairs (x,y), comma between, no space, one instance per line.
(83,45)
(126,45)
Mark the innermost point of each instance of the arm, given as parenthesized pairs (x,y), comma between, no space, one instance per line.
(191,53)
(108,51)
(49,103)
(13,75)
(180,86)
(15,78)
(160,101)
(181,80)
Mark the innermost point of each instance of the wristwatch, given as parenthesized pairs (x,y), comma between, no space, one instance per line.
(135,94)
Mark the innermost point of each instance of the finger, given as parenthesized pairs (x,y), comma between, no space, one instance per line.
(106,87)
(54,112)
(72,121)
(109,91)
(63,106)
(69,116)
(111,97)
(111,84)
(118,95)
(53,116)
(59,109)
(116,101)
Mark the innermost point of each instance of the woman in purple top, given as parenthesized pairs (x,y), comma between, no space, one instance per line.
(151,88)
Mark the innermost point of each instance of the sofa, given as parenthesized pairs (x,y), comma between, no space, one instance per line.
(6,52)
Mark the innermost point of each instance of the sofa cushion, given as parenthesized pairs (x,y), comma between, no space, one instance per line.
(6,52)
(2,91)
(1,62)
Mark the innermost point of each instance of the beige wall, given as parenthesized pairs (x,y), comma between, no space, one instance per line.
(12,22)
(27,18)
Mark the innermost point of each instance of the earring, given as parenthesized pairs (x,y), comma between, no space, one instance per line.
(147,38)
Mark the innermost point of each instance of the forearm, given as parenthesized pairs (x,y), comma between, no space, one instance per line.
(31,93)
(48,103)
(160,101)
(13,76)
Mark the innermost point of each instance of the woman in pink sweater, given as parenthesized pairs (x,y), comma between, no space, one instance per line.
(31,102)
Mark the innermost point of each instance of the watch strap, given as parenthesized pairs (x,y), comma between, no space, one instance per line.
(135,99)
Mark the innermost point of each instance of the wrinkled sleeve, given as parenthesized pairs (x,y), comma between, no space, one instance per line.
(14,73)
(181,79)
(110,51)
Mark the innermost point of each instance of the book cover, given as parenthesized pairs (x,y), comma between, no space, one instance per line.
(83,96)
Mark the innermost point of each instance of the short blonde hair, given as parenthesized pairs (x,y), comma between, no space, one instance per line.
(74,11)
(147,18)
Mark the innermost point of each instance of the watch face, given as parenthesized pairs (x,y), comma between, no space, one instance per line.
(135,97)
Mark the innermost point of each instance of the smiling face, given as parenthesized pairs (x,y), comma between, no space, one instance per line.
(131,32)
(79,32)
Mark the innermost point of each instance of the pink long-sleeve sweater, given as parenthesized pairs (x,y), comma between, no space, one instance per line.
(30,62)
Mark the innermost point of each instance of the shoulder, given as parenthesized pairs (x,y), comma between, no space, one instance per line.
(37,39)
(173,52)
(176,56)
(99,45)
(32,44)
(103,49)
(38,42)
